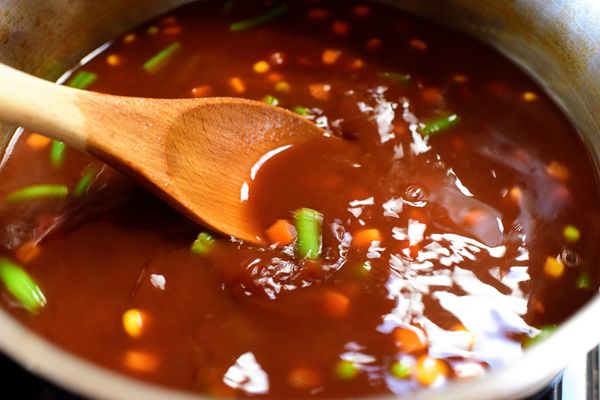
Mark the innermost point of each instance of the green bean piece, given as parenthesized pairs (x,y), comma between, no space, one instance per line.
(57,153)
(396,77)
(435,126)
(301,110)
(21,286)
(271,100)
(583,282)
(308,227)
(162,57)
(258,20)
(346,370)
(543,334)
(401,369)
(82,79)
(203,244)
(38,192)
(89,174)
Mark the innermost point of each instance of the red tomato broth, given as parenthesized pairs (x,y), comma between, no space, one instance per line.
(352,321)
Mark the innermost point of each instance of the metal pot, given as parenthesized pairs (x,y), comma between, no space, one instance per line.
(555,41)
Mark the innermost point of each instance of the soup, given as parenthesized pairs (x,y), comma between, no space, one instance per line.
(444,222)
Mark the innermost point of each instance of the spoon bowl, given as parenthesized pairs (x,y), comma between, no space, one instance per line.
(196,154)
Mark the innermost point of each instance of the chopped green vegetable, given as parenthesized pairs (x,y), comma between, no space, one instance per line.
(37,192)
(583,282)
(271,100)
(57,153)
(203,244)
(396,77)
(308,228)
(21,286)
(401,369)
(571,234)
(160,59)
(82,79)
(258,20)
(432,127)
(543,334)
(301,110)
(85,181)
(345,370)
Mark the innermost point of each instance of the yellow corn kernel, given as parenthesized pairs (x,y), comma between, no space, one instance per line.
(129,38)
(529,96)
(282,87)
(516,194)
(113,60)
(133,322)
(37,141)
(237,84)
(553,267)
(261,67)
(140,361)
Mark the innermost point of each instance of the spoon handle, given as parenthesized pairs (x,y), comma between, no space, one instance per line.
(42,106)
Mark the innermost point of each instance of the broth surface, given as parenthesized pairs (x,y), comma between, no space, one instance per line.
(456,203)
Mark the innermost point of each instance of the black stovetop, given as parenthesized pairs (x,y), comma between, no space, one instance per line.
(578,382)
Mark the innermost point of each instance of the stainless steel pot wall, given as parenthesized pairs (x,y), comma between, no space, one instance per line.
(557,41)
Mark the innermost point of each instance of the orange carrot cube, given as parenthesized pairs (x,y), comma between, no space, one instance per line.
(319,91)
(37,141)
(330,56)
(304,378)
(237,84)
(410,340)
(340,27)
(365,237)
(335,304)
(432,95)
(201,91)
(558,171)
(27,251)
(282,232)
(418,44)
(374,44)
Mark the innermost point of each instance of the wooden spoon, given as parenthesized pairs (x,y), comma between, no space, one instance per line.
(196,154)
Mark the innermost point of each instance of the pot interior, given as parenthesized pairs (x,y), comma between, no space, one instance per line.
(556,42)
